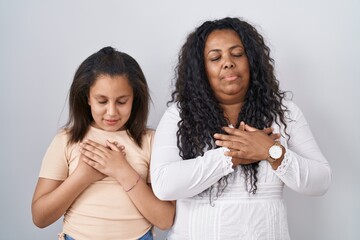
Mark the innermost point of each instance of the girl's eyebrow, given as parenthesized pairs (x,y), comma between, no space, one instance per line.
(103,96)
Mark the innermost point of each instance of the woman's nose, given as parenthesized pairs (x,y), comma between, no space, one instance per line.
(229,63)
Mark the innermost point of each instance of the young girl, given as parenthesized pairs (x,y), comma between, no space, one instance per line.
(95,171)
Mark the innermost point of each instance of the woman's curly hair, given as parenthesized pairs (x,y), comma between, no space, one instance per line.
(200,112)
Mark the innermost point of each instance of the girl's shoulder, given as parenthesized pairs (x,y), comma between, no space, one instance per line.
(147,137)
(149,134)
(149,131)
(61,137)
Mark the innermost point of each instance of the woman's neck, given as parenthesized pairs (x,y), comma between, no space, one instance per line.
(231,112)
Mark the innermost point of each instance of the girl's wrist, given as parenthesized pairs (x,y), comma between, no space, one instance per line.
(128,178)
(133,186)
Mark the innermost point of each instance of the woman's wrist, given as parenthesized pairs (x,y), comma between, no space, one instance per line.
(275,163)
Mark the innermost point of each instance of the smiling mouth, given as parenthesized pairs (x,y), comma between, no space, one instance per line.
(111,122)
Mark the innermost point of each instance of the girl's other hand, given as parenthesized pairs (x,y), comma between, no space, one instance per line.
(109,160)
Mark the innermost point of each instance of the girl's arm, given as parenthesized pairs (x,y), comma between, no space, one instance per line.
(52,197)
(111,161)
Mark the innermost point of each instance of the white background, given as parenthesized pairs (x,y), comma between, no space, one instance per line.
(315,44)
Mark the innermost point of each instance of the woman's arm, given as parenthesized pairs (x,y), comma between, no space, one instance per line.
(172,177)
(111,161)
(303,168)
(52,198)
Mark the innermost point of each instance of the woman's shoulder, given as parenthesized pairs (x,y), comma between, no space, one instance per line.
(173,108)
(172,112)
(291,106)
(293,111)
(289,103)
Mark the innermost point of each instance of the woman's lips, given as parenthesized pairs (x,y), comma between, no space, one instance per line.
(230,77)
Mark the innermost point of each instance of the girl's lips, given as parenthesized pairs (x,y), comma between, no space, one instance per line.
(111,122)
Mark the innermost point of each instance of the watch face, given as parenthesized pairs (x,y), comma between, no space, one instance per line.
(275,152)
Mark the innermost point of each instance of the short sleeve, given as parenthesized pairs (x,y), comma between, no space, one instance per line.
(55,164)
(149,136)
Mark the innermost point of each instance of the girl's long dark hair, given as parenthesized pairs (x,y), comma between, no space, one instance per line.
(107,61)
(200,112)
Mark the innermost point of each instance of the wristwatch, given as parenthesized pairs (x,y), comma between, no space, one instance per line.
(276,151)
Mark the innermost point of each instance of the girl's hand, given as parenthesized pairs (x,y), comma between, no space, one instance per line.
(89,173)
(109,160)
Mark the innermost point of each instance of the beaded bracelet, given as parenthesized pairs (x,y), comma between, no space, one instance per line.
(133,185)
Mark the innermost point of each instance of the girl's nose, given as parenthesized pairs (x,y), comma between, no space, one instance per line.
(112,110)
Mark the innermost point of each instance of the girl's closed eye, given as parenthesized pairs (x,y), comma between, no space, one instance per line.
(122,100)
(101,100)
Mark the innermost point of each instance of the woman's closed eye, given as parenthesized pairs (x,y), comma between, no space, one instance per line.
(214,58)
(238,54)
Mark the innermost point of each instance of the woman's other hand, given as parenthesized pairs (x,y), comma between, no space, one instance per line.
(247,144)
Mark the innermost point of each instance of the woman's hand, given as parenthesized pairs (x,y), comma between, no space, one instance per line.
(247,144)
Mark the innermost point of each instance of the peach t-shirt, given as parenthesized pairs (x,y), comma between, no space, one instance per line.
(103,210)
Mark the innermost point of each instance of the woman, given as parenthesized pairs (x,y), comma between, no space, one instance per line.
(214,151)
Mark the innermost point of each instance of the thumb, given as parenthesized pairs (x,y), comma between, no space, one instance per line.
(242,126)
